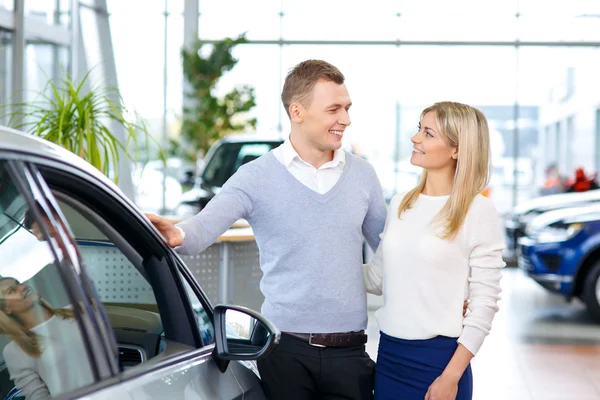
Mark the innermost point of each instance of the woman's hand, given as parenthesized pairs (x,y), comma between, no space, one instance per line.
(443,388)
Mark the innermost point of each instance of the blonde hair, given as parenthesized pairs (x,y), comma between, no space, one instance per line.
(464,127)
(26,339)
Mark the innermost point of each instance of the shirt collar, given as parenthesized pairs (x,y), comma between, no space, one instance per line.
(290,154)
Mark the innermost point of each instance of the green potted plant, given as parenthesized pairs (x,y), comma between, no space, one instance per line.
(77,119)
(208,116)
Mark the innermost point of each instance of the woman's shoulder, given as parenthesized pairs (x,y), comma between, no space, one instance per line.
(482,205)
(13,354)
(483,215)
(397,199)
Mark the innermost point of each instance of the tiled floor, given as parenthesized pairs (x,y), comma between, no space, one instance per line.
(540,348)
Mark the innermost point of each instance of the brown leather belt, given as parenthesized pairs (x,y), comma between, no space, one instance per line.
(346,339)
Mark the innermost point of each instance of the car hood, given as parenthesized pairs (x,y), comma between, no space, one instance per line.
(555,201)
(567,215)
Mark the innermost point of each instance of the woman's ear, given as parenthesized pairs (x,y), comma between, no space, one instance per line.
(455,153)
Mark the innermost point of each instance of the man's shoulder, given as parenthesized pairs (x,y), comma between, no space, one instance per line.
(359,163)
(259,166)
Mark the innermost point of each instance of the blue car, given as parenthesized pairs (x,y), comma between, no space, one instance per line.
(561,251)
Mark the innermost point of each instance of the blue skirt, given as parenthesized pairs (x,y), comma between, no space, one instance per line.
(406,368)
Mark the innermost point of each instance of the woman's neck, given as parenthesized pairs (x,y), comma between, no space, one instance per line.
(35,316)
(439,183)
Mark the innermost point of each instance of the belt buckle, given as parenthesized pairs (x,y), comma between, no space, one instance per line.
(310,337)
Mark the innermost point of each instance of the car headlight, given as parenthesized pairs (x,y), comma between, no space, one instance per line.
(554,234)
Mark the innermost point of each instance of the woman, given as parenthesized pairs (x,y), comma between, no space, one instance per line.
(441,245)
(43,357)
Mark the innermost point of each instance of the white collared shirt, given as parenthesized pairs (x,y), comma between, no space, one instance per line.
(320,180)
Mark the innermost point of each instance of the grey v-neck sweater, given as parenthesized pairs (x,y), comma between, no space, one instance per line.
(310,244)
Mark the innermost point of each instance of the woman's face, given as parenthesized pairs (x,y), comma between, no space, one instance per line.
(17,297)
(431,150)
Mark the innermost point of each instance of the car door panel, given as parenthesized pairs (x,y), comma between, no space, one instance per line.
(192,378)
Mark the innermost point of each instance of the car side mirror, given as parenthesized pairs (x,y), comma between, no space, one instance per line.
(243,334)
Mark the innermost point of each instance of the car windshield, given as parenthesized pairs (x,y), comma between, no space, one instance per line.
(229,157)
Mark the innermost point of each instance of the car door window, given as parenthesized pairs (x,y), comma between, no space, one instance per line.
(43,350)
(203,320)
(121,285)
(125,287)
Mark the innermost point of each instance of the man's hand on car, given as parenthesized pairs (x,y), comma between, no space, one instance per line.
(171,234)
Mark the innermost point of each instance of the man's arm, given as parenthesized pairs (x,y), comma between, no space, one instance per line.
(375,219)
(234,201)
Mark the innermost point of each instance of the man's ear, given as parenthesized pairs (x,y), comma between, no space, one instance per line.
(296,112)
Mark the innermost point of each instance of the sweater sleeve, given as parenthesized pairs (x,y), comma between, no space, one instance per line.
(373,274)
(22,371)
(233,202)
(485,242)
(373,271)
(376,213)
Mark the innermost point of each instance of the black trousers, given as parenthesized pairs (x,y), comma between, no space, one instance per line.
(296,370)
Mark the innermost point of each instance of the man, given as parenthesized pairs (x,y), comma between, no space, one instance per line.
(310,205)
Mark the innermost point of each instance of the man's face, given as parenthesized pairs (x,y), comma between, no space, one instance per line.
(325,118)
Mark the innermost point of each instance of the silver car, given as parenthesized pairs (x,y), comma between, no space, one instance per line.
(95,305)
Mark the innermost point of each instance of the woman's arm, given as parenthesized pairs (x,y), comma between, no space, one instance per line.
(445,387)
(22,371)
(485,242)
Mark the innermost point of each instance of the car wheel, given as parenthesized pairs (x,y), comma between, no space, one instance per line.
(591,291)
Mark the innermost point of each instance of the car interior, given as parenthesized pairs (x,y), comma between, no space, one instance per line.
(123,286)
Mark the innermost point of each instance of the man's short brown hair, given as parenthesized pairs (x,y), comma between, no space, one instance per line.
(301,80)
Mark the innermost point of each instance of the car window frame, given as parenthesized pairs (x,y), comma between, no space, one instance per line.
(24,175)
(132,216)
(176,265)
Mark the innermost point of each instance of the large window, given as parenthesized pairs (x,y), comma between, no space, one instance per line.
(5,67)
(51,12)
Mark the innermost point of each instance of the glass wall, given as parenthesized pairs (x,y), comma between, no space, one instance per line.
(5,67)
(51,12)
(528,66)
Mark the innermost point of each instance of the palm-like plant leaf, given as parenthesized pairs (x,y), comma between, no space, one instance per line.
(78,120)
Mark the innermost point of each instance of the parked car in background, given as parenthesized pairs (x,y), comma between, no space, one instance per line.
(126,316)
(516,221)
(221,162)
(148,183)
(561,251)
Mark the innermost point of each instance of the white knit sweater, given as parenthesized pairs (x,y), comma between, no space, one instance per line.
(426,279)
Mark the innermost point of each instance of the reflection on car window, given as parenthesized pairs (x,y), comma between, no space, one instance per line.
(203,321)
(43,353)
